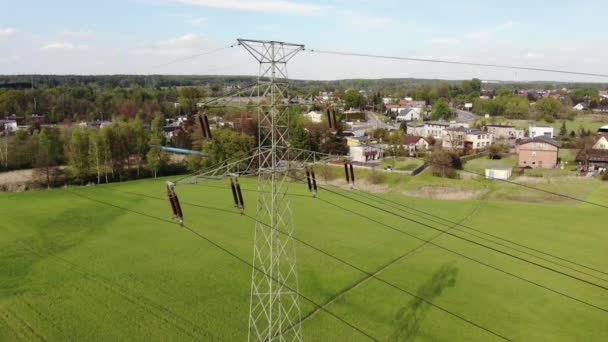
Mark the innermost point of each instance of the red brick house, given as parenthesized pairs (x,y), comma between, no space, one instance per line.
(539,152)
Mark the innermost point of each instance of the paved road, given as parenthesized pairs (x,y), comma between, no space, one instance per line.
(465,116)
(374,121)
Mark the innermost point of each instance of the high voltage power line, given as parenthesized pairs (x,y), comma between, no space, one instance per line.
(232,254)
(385,225)
(459,224)
(467,240)
(345,262)
(425,241)
(395,203)
(429,60)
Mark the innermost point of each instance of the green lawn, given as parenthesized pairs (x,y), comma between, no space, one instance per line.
(592,122)
(78,269)
(402,163)
(480,165)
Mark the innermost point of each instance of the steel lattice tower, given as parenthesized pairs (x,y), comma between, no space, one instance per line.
(275,306)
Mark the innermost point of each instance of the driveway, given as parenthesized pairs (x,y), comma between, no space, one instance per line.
(374,121)
(464,115)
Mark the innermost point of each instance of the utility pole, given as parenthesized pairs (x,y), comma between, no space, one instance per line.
(274,303)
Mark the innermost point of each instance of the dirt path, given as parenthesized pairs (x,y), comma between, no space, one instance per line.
(15,181)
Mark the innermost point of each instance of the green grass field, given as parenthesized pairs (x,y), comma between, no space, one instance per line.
(75,268)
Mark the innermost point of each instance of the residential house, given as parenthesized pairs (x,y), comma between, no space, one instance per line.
(408,114)
(602,143)
(39,119)
(541,131)
(415,143)
(19,119)
(580,106)
(388,100)
(409,102)
(538,152)
(366,153)
(601,109)
(603,129)
(358,141)
(416,129)
(597,157)
(436,129)
(8,126)
(466,138)
(505,131)
(315,117)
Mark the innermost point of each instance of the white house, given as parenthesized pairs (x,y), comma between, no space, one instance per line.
(314,116)
(499,172)
(388,100)
(466,138)
(408,114)
(436,129)
(366,153)
(541,131)
(413,143)
(9,126)
(580,106)
(601,143)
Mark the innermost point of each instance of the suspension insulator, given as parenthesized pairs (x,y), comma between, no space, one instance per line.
(308,180)
(201,122)
(240,195)
(346,172)
(234,195)
(335,121)
(180,214)
(352,173)
(314,178)
(329,119)
(171,201)
(206,119)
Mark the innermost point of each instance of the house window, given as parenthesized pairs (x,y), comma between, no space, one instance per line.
(534,154)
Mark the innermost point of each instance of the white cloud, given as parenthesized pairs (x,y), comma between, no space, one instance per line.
(567,49)
(9,59)
(367,21)
(507,25)
(63,46)
(8,32)
(70,34)
(199,21)
(533,55)
(268,6)
(444,41)
(487,35)
(481,35)
(185,44)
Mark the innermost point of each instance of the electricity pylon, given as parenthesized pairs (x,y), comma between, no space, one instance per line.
(274,304)
(274,311)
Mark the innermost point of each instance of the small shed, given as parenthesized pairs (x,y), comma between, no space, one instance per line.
(499,172)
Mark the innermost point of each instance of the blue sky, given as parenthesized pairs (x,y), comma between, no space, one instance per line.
(136,36)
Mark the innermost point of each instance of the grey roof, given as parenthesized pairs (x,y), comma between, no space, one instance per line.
(438,123)
(499,167)
(499,125)
(540,139)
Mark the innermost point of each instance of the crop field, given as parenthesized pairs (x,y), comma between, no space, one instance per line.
(106,263)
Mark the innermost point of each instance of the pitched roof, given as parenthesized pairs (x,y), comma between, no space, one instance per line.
(412,139)
(499,125)
(594,156)
(540,140)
